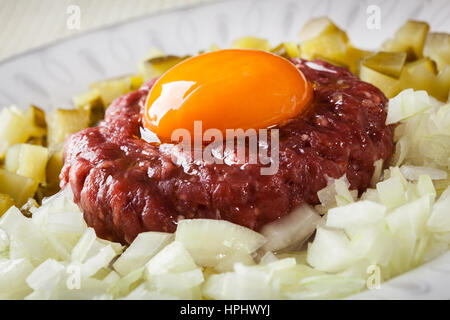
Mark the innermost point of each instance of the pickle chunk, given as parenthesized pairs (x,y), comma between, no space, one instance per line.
(388,85)
(20,188)
(410,38)
(322,39)
(63,122)
(37,124)
(422,75)
(114,88)
(54,166)
(388,63)
(91,102)
(251,43)
(14,129)
(5,203)
(156,66)
(27,160)
(437,47)
(287,50)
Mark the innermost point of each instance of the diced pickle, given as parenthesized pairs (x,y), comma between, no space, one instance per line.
(351,60)
(5,203)
(37,123)
(410,38)
(330,43)
(14,129)
(27,160)
(421,75)
(443,79)
(20,188)
(251,43)
(154,67)
(54,166)
(388,63)
(317,27)
(12,158)
(287,50)
(437,47)
(442,184)
(322,39)
(354,57)
(37,141)
(114,88)
(333,62)
(90,97)
(426,63)
(91,101)
(136,82)
(388,85)
(62,123)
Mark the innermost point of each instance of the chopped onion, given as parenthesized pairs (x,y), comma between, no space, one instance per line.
(211,241)
(174,258)
(4,241)
(439,220)
(84,245)
(244,283)
(290,232)
(391,192)
(100,260)
(355,215)
(414,172)
(145,246)
(330,251)
(13,274)
(46,276)
(406,104)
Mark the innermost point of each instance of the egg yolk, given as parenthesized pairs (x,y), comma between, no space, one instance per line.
(226,89)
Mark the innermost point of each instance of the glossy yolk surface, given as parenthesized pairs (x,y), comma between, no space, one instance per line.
(226,89)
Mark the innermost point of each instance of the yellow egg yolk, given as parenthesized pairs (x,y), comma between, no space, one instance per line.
(226,89)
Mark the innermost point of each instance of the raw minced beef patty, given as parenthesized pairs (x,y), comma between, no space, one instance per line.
(125,185)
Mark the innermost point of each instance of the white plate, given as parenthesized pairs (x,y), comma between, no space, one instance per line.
(49,76)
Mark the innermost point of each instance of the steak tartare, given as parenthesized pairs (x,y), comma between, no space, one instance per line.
(125,185)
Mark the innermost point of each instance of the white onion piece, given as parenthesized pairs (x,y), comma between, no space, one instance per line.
(406,104)
(244,283)
(101,260)
(11,219)
(358,214)
(439,220)
(414,172)
(291,230)
(378,165)
(174,258)
(392,192)
(13,274)
(145,246)
(330,251)
(47,276)
(84,245)
(4,241)
(211,241)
